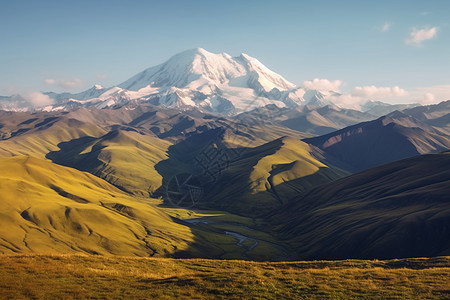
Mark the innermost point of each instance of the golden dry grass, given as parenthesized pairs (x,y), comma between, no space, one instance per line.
(46,208)
(99,277)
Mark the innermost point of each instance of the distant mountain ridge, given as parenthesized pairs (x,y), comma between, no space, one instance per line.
(196,78)
(369,144)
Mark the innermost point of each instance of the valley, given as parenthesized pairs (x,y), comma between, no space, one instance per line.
(213,176)
(259,185)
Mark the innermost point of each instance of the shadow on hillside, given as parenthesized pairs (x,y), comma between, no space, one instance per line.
(203,156)
(260,204)
(70,154)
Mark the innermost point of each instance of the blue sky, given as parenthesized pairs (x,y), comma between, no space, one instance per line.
(71,45)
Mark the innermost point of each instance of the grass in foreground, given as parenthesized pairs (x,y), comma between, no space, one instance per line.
(76,276)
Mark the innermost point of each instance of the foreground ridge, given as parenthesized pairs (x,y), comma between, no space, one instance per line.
(62,276)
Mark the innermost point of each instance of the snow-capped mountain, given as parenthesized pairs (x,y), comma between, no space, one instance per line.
(198,78)
(93,92)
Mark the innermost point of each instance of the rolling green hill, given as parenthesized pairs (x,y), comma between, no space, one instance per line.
(40,133)
(126,159)
(266,177)
(125,146)
(50,208)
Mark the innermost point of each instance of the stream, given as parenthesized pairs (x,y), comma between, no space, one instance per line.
(239,237)
(242,238)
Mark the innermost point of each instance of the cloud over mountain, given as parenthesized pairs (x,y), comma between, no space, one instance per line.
(322,84)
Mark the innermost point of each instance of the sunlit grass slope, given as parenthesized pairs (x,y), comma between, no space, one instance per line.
(291,161)
(42,135)
(265,177)
(95,277)
(126,159)
(48,208)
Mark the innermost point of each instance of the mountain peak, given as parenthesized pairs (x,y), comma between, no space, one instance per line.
(198,67)
(198,78)
(190,54)
(192,67)
(247,57)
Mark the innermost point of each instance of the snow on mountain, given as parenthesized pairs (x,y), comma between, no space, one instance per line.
(319,98)
(198,78)
(214,82)
(93,92)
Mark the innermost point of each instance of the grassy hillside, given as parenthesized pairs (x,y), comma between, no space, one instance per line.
(126,147)
(399,209)
(266,177)
(96,277)
(40,134)
(48,208)
(126,159)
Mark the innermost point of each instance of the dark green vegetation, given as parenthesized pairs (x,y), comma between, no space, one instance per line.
(99,277)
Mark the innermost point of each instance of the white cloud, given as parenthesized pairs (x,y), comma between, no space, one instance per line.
(361,94)
(322,84)
(49,81)
(431,94)
(378,92)
(347,101)
(386,26)
(37,99)
(417,36)
(393,95)
(429,98)
(71,83)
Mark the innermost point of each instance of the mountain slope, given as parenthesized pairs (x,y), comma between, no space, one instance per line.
(124,146)
(126,159)
(401,209)
(322,120)
(40,133)
(50,208)
(437,115)
(266,177)
(198,78)
(379,109)
(310,119)
(389,138)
